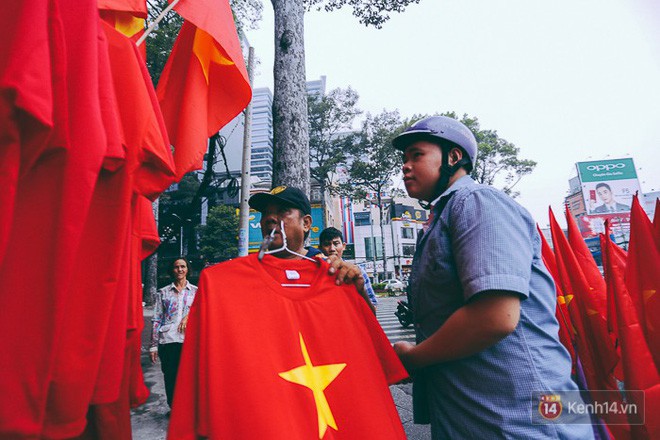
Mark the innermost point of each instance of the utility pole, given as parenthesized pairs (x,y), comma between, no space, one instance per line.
(244,216)
(373,242)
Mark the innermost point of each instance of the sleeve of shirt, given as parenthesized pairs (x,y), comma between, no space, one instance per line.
(491,243)
(156,321)
(369,288)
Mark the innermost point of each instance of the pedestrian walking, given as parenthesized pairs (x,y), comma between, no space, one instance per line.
(171,307)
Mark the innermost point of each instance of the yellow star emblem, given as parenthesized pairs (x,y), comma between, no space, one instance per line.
(208,52)
(316,378)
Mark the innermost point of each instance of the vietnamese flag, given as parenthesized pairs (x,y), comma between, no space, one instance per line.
(598,358)
(312,363)
(588,265)
(640,372)
(127,17)
(643,276)
(566,330)
(204,84)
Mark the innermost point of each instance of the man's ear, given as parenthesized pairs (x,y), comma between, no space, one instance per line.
(455,154)
(307,222)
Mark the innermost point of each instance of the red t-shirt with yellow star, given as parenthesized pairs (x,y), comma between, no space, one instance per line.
(267,360)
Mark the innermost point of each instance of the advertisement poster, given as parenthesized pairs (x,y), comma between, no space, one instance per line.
(592,225)
(608,185)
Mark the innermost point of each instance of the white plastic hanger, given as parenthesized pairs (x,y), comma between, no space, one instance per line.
(268,239)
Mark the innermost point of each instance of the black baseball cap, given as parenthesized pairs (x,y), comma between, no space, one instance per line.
(283,196)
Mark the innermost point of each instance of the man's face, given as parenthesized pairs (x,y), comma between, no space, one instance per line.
(295,226)
(332,247)
(421,169)
(605,194)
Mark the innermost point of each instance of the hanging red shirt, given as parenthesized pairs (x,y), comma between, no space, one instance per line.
(266,361)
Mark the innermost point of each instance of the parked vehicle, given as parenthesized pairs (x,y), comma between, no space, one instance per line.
(404,313)
(394,285)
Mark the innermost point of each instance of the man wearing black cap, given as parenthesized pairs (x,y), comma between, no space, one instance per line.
(291,206)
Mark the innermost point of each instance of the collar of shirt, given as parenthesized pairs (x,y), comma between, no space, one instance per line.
(186,287)
(463,181)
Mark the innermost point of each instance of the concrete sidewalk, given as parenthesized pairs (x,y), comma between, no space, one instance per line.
(150,420)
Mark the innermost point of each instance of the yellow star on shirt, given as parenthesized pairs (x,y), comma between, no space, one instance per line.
(316,378)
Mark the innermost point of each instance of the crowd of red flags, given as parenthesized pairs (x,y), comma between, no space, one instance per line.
(610,323)
(85,146)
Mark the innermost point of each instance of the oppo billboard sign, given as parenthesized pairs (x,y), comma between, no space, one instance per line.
(598,171)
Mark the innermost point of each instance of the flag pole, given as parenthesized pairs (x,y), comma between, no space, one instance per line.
(153,25)
(243,219)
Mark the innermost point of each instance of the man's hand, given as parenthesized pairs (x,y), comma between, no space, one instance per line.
(154,356)
(346,273)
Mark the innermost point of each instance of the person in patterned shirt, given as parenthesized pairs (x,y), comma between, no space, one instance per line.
(171,307)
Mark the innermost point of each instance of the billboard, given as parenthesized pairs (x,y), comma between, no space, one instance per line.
(255,238)
(592,225)
(608,185)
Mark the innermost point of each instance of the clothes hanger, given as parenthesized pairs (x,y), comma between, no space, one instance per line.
(268,239)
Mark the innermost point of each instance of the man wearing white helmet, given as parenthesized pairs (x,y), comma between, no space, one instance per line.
(483,302)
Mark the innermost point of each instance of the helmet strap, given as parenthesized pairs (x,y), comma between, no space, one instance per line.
(446,171)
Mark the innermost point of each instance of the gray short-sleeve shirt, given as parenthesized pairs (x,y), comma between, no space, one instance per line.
(483,240)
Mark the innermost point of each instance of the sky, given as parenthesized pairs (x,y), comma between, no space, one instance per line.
(564,81)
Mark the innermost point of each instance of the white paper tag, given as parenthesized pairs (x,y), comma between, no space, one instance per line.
(292,275)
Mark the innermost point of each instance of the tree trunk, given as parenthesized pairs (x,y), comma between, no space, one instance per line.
(382,233)
(290,124)
(324,219)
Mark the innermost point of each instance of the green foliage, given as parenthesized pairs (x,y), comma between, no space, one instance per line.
(498,163)
(330,118)
(219,237)
(375,160)
(176,207)
(369,12)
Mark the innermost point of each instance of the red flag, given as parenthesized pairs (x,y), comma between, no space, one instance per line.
(127,17)
(623,255)
(588,265)
(643,276)
(224,381)
(594,346)
(566,330)
(204,84)
(639,368)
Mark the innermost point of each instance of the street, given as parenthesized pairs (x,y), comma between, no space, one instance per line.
(150,420)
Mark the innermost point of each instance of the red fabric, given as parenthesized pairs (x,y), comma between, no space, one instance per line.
(136,7)
(26,98)
(638,364)
(588,265)
(594,346)
(52,204)
(566,330)
(643,276)
(204,84)
(93,292)
(244,331)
